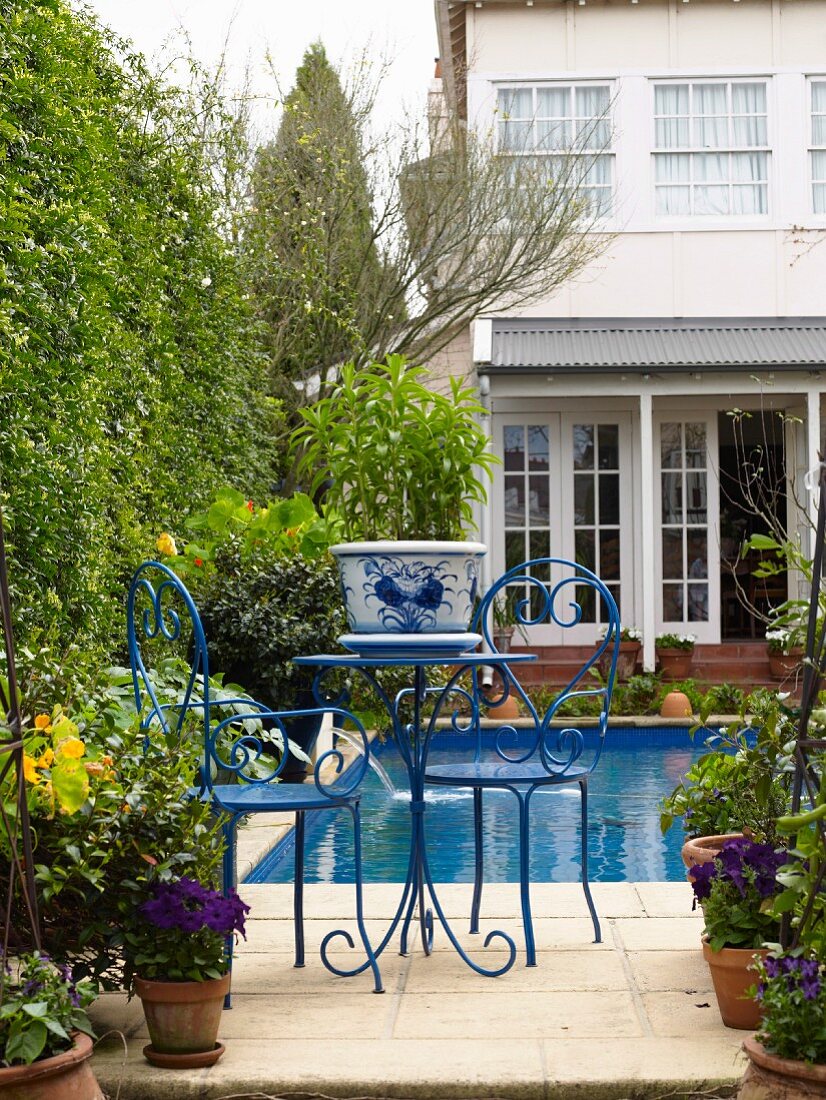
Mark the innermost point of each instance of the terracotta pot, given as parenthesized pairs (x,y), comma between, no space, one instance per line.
(769,1077)
(675,664)
(784,664)
(66,1076)
(183,1017)
(675,705)
(626,660)
(703,849)
(731,976)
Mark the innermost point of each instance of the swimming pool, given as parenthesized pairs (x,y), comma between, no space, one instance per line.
(638,766)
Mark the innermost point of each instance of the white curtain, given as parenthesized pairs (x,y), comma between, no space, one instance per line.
(819,181)
(515,107)
(672,172)
(748,108)
(819,112)
(671,116)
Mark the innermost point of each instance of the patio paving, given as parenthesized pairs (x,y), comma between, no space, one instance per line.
(633,1017)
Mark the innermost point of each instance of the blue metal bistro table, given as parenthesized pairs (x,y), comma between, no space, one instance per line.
(412,731)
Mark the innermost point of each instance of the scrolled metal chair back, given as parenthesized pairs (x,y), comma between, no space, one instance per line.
(242,740)
(557,600)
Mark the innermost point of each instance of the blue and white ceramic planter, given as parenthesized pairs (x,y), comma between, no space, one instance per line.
(409,587)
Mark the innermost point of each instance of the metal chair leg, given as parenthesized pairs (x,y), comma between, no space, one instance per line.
(479,860)
(298,890)
(583,789)
(525,874)
(374,966)
(228,876)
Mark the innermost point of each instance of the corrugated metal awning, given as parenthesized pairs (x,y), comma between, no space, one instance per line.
(657,344)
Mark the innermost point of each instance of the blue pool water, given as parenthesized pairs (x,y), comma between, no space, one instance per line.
(637,768)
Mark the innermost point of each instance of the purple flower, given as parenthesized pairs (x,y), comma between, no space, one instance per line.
(789,964)
(809,969)
(702,875)
(772,966)
(811,988)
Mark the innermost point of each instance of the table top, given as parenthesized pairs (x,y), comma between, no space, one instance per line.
(466,660)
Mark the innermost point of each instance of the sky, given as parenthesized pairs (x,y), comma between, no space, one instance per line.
(402,30)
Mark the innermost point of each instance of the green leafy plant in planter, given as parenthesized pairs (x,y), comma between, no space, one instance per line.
(743,782)
(402,467)
(45,1034)
(396,459)
(674,654)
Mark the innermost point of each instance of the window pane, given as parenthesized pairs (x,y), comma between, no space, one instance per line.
(697,603)
(749,167)
(819,198)
(541,548)
(670,99)
(515,137)
(614,589)
(591,102)
(709,99)
(514,501)
(593,134)
(819,96)
(711,200)
(583,499)
(538,447)
(748,99)
(586,598)
(515,103)
(697,553)
(514,447)
(553,135)
(514,549)
(671,133)
(749,200)
(819,166)
(672,490)
(671,445)
(608,440)
(584,543)
(673,603)
(711,133)
(553,102)
(672,553)
(609,555)
(583,446)
(696,507)
(598,171)
(695,446)
(609,498)
(819,130)
(673,168)
(711,167)
(748,132)
(673,200)
(538,502)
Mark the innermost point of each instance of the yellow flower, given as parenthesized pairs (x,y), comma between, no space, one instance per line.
(46,759)
(72,747)
(43,722)
(29,769)
(166,545)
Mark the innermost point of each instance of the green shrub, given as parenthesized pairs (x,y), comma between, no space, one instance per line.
(130,378)
(262,609)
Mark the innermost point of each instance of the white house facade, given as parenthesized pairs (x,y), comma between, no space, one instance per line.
(614,404)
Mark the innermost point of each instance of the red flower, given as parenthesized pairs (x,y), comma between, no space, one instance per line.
(250,505)
(199,561)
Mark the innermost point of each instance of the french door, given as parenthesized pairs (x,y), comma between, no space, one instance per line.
(686,507)
(564,490)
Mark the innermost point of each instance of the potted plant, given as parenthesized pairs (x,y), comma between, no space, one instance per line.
(45,1034)
(675,653)
(735,891)
(176,944)
(787,1057)
(785,652)
(400,467)
(629,651)
(740,785)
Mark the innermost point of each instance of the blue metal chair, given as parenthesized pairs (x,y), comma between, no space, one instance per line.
(241,761)
(550,754)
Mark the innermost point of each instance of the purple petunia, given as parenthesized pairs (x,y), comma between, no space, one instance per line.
(190,907)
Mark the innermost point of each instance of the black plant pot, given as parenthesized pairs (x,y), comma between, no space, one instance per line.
(303,732)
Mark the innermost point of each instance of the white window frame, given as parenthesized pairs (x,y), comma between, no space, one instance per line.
(608,152)
(693,150)
(813,148)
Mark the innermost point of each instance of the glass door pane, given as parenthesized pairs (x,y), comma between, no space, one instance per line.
(528,512)
(595,459)
(684,518)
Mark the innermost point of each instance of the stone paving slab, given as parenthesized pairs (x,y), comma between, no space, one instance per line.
(620,1020)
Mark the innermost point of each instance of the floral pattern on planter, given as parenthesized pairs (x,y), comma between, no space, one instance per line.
(410,591)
